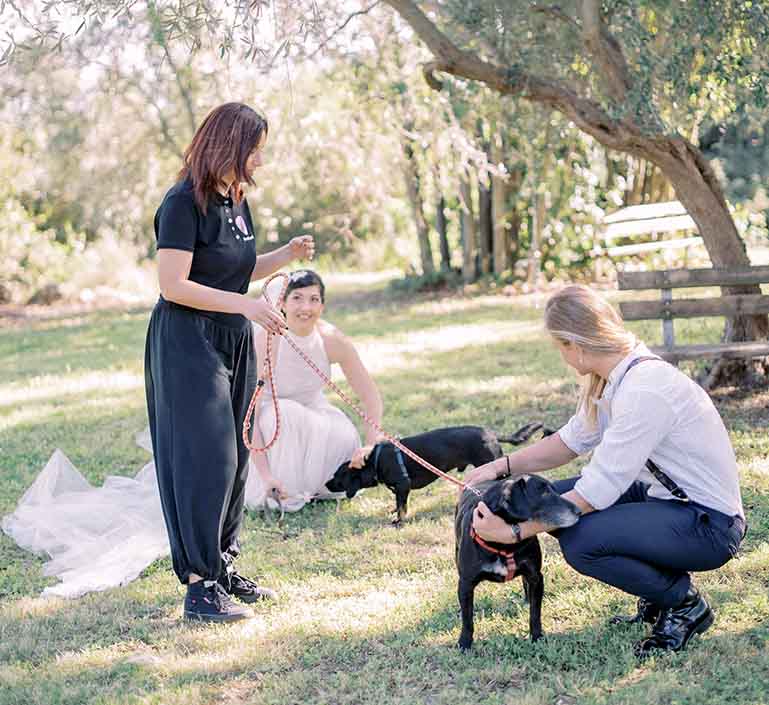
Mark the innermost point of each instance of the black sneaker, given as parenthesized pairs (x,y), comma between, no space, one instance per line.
(207,601)
(243,588)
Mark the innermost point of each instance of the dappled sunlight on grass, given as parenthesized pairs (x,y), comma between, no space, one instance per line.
(500,384)
(366,613)
(42,412)
(57,386)
(99,342)
(379,357)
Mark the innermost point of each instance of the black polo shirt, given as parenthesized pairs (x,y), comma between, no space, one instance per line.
(221,241)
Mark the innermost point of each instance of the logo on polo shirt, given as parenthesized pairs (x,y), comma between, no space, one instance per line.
(241,224)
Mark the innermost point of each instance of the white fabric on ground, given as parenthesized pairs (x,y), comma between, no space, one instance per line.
(96,537)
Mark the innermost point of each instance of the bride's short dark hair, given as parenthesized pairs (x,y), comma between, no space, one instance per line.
(302,278)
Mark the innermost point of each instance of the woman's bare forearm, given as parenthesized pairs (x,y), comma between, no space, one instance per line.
(205,298)
(547,453)
(550,452)
(271,262)
(372,403)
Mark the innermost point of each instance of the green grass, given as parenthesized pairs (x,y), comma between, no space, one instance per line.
(367,614)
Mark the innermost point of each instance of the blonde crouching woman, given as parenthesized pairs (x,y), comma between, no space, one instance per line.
(660,496)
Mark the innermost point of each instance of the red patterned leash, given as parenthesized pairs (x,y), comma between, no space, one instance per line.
(267,371)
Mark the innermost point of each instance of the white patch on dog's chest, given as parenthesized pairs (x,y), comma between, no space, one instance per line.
(498,566)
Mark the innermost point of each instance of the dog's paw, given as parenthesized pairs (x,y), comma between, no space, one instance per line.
(465,644)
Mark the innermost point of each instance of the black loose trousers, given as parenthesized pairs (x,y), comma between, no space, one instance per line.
(200,373)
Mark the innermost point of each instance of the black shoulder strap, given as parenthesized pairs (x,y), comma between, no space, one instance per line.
(375,461)
(662,477)
(401,464)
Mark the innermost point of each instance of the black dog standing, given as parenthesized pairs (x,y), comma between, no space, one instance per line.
(447,449)
(528,497)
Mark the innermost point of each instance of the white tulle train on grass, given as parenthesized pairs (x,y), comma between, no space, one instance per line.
(96,537)
(101,537)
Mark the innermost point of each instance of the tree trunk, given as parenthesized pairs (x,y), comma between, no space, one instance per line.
(535,250)
(635,172)
(514,185)
(648,176)
(514,232)
(441,227)
(486,233)
(467,222)
(414,190)
(498,214)
(697,189)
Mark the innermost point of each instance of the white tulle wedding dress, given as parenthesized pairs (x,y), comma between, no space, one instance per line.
(315,437)
(102,537)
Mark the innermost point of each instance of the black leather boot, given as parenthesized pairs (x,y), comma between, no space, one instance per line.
(676,625)
(647,613)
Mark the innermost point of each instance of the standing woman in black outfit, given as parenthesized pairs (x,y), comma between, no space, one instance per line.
(200,366)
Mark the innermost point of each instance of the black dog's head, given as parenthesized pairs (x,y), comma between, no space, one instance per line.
(530,497)
(350,480)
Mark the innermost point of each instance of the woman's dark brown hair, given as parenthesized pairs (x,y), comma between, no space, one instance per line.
(222,144)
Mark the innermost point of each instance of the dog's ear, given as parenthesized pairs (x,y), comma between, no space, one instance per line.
(515,504)
(353,482)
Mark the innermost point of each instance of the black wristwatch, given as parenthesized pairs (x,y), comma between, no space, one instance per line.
(516,529)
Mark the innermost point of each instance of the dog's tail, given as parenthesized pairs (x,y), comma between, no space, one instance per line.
(525,432)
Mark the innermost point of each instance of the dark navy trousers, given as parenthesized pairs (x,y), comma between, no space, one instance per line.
(647,546)
(200,372)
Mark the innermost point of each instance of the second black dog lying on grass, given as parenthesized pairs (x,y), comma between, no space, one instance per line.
(447,449)
(527,497)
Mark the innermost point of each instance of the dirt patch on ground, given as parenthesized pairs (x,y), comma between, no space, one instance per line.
(750,405)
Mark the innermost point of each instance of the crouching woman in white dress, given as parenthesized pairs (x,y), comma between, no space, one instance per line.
(315,437)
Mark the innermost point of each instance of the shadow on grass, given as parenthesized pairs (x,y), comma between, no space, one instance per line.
(290,663)
(415,661)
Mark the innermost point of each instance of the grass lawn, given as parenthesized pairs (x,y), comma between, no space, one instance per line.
(367,614)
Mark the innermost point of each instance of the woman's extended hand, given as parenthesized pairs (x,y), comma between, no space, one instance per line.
(482,473)
(267,316)
(490,527)
(302,247)
(274,488)
(360,456)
